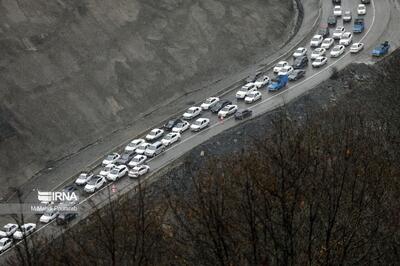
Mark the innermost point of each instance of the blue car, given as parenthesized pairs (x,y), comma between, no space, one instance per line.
(381,50)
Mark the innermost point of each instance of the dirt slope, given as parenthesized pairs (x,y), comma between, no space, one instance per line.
(73,71)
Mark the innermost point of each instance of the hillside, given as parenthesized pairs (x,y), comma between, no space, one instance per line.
(74,71)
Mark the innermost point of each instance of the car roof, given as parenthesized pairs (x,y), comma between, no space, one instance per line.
(9,225)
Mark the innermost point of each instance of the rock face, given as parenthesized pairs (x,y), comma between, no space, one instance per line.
(73,71)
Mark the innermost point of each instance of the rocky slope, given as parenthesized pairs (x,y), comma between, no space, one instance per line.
(73,71)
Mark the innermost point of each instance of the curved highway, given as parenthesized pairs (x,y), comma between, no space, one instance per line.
(379,25)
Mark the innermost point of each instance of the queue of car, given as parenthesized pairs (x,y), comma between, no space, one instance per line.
(132,161)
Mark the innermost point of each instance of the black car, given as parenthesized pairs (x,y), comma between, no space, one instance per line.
(70,188)
(253,77)
(297,74)
(324,32)
(126,157)
(332,21)
(219,105)
(365,1)
(172,123)
(64,218)
(243,113)
(336,1)
(300,62)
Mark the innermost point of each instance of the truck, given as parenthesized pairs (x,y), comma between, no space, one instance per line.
(359,25)
(382,49)
(278,83)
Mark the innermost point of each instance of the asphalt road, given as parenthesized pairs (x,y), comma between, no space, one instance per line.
(379,24)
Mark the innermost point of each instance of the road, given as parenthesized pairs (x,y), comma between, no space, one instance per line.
(380,25)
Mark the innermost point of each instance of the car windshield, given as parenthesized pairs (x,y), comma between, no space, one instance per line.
(170,123)
(318,60)
(151,148)
(108,168)
(153,133)
(361,7)
(110,157)
(315,39)
(346,35)
(92,182)
(48,213)
(225,109)
(327,41)
(208,101)
(143,146)
(180,125)
(337,8)
(191,111)
(336,49)
(114,171)
(281,64)
(298,60)
(244,89)
(299,50)
(168,137)
(338,31)
(347,13)
(198,122)
(82,176)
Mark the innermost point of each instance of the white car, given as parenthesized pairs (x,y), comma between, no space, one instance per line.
(317,53)
(347,16)
(139,170)
(181,127)
(155,134)
(361,9)
(246,89)
(24,230)
(301,51)
(316,40)
(199,124)
(5,243)
(48,216)
(338,50)
(356,47)
(253,96)
(96,183)
(137,160)
(263,82)
(118,172)
(320,61)
(210,102)
(171,138)
(337,11)
(8,230)
(337,34)
(279,66)
(192,112)
(228,110)
(287,70)
(327,43)
(142,148)
(346,38)
(106,170)
(83,178)
(134,144)
(112,158)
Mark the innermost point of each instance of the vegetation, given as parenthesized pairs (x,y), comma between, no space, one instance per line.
(321,190)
